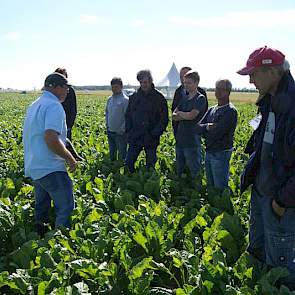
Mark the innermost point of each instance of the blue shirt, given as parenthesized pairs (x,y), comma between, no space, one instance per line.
(115,113)
(43,114)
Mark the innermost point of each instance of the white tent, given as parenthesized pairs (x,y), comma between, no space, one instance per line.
(171,79)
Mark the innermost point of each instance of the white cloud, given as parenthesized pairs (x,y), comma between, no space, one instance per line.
(13,36)
(93,19)
(261,18)
(138,23)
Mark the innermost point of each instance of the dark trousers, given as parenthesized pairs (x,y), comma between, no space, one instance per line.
(117,143)
(134,151)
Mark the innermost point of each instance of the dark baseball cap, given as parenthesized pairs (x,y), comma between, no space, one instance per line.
(56,79)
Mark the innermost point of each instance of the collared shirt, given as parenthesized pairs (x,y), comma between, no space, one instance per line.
(43,114)
(115,113)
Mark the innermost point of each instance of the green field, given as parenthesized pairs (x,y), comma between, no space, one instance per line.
(147,233)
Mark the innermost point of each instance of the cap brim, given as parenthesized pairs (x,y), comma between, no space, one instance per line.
(246,70)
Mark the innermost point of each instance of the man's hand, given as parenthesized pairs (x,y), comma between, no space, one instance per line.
(72,163)
(176,117)
(278,209)
(210,126)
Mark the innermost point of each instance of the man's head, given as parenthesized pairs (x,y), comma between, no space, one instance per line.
(265,67)
(182,73)
(58,85)
(191,81)
(117,85)
(145,79)
(62,71)
(222,90)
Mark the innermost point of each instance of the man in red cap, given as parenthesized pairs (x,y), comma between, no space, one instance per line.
(271,167)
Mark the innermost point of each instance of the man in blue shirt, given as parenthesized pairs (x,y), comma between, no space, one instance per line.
(45,154)
(115,120)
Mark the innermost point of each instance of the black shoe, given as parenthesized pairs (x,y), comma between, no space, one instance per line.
(42,229)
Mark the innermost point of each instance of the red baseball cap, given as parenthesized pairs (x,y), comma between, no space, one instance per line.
(263,56)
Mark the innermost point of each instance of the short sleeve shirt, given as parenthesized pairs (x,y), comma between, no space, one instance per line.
(46,113)
(186,132)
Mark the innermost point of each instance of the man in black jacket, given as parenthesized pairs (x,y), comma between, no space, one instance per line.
(271,167)
(69,105)
(181,93)
(146,120)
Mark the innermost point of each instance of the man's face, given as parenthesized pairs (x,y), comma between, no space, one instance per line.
(117,89)
(262,79)
(181,75)
(61,92)
(190,85)
(146,84)
(220,91)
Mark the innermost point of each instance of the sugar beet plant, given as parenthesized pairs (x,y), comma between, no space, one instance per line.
(146,233)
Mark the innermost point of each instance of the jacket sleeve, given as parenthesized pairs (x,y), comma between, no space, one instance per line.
(163,122)
(72,107)
(176,99)
(128,114)
(286,195)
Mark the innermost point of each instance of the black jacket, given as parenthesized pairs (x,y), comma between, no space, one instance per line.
(146,117)
(70,107)
(176,100)
(283,147)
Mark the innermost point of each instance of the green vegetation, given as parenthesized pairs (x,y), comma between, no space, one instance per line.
(147,233)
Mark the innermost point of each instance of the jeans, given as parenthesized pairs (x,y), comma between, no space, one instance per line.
(273,236)
(133,153)
(217,168)
(117,143)
(190,157)
(58,187)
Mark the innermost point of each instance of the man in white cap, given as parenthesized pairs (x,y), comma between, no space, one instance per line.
(271,167)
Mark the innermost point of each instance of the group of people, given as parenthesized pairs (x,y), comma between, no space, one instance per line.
(141,119)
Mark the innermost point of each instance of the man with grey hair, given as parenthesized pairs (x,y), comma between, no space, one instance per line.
(218,127)
(271,166)
(146,120)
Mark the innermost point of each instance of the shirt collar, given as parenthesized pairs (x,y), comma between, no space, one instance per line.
(50,95)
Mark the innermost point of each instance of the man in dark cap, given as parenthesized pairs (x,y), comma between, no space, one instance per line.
(45,154)
(271,167)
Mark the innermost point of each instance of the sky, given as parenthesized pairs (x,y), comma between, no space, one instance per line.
(96,40)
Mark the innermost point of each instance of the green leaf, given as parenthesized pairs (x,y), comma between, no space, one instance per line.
(139,268)
(140,239)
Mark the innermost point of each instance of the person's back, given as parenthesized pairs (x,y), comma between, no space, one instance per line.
(39,159)
(45,154)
